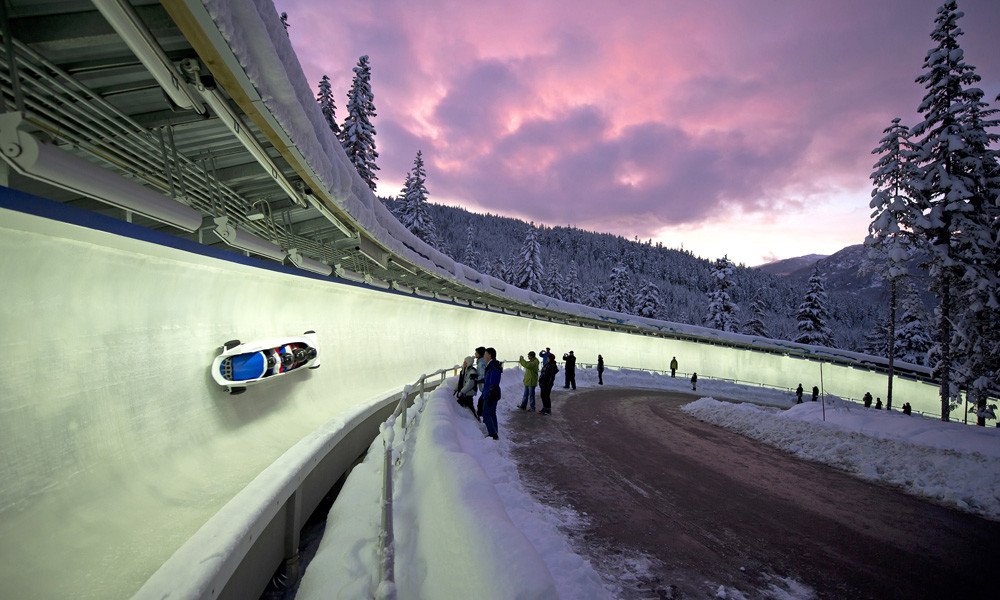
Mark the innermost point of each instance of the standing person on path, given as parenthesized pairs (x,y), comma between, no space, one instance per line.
(673,367)
(530,380)
(815,393)
(491,392)
(570,369)
(480,377)
(546,380)
(694,382)
(465,389)
(600,370)
(798,394)
(867,399)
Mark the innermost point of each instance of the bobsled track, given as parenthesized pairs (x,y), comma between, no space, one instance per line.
(141,143)
(118,445)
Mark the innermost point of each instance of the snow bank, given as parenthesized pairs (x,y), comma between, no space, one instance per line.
(950,463)
(462,519)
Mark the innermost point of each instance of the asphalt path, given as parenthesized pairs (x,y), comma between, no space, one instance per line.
(708,508)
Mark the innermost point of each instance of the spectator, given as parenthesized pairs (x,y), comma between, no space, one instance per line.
(600,370)
(798,394)
(694,381)
(878,404)
(491,392)
(481,369)
(673,367)
(570,369)
(465,389)
(530,380)
(815,393)
(907,408)
(546,380)
(868,399)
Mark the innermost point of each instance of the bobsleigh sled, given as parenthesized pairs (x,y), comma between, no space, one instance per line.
(240,365)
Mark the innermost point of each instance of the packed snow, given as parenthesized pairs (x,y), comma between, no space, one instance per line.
(466,526)
(949,463)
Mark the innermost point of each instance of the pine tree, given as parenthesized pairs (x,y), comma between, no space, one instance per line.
(912,342)
(471,256)
(619,297)
(413,212)
(571,291)
(954,194)
(554,281)
(647,302)
(528,274)
(327,105)
(721,308)
(756,326)
(889,242)
(812,314)
(357,136)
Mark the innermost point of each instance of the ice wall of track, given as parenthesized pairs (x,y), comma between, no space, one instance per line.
(117,445)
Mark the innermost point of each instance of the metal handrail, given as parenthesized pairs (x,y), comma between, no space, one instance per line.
(387,562)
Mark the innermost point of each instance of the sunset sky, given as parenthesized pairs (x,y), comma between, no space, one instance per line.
(739,127)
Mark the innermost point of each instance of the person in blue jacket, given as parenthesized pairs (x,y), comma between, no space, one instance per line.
(491,392)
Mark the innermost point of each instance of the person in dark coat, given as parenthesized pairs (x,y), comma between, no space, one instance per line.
(694,381)
(546,379)
(673,367)
(798,394)
(491,392)
(465,389)
(868,399)
(480,376)
(815,393)
(878,404)
(600,370)
(570,369)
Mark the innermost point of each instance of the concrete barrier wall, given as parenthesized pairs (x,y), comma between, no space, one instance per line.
(116,443)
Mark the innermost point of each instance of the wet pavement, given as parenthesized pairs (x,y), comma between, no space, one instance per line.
(692,507)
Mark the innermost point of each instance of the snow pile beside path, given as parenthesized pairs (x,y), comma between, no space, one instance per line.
(465,526)
(950,463)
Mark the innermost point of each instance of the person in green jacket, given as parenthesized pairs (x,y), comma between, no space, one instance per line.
(530,380)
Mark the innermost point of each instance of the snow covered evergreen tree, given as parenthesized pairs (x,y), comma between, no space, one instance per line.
(327,105)
(571,291)
(528,273)
(357,136)
(755,325)
(813,314)
(721,308)
(912,341)
(647,301)
(955,191)
(554,282)
(413,210)
(470,257)
(619,297)
(889,241)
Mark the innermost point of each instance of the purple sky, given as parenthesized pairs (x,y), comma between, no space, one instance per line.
(724,126)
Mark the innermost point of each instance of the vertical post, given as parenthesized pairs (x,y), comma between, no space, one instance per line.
(402,404)
(387,564)
(822,390)
(293,510)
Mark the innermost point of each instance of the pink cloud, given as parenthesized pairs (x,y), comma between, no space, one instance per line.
(643,114)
